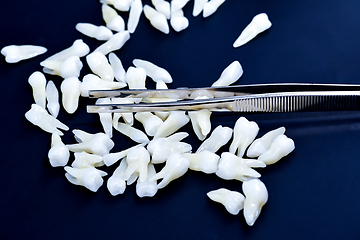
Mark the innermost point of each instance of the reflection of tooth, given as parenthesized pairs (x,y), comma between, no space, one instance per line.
(262,144)
(91,178)
(256,195)
(106,118)
(155,72)
(218,138)
(112,19)
(133,133)
(37,81)
(116,183)
(150,122)
(198,7)
(204,161)
(136,9)
(211,7)
(119,71)
(162,7)
(70,89)
(100,66)
(178,21)
(157,19)
(93,82)
(280,148)
(230,75)
(147,188)
(114,43)
(174,122)
(175,166)
(58,154)
(111,158)
(137,160)
(178,4)
(39,117)
(258,24)
(233,167)
(78,48)
(135,78)
(244,134)
(161,148)
(232,200)
(85,160)
(128,117)
(200,121)
(100,33)
(15,53)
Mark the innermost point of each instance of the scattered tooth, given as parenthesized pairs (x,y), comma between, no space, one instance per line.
(161,85)
(161,148)
(37,82)
(155,72)
(232,200)
(91,178)
(134,134)
(98,143)
(230,75)
(178,21)
(127,117)
(245,132)
(177,5)
(16,53)
(258,24)
(69,67)
(147,188)
(38,116)
(198,7)
(112,19)
(58,154)
(111,158)
(161,114)
(256,195)
(281,147)
(204,161)
(201,94)
(132,178)
(116,184)
(114,43)
(211,7)
(137,160)
(86,160)
(218,138)
(136,9)
(106,118)
(123,5)
(174,122)
(262,144)
(93,82)
(100,33)
(201,123)
(157,19)
(70,89)
(116,64)
(135,78)
(162,7)
(100,66)
(175,166)
(233,167)
(150,122)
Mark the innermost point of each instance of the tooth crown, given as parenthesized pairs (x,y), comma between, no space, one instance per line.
(114,43)
(232,200)
(178,21)
(201,123)
(116,64)
(211,7)
(70,89)
(112,19)
(85,160)
(150,122)
(155,72)
(280,148)
(133,133)
(116,183)
(147,188)
(37,81)
(135,78)
(122,5)
(91,178)
(100,33)
(230,75)
(91,82)
(157,19)
(218,138)
(58,154)
(137,160)
(162,7)
(204,161)
(100,66)
(16,53)
(174,122)
(136,9)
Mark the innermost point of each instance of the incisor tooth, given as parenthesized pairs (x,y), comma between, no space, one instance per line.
(114,43)
(112,19)
(204,161)
(16,53)
(100,33)
(93,82)
(37,81)
(230,75)
(100,66)
(162,7)
(155,72)
(218,138)
(70,89)
(91,178)
(280,148)
(147,188)
(211,7)
(136,9)
(150,122)
(178,21)
(174,122)
(137,160)
(58,154)
(232,200)
(116,184)
(157,19)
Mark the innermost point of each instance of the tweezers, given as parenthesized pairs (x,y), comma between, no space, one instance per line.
(277,97)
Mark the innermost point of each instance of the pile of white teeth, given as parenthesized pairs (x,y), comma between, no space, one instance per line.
(158,143)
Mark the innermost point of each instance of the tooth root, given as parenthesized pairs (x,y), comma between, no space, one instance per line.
(133,133)
(174,122)
(85,160)
(91,178)
(91,82)
(211,7)
(229,75)
(37,81)
(100,66)
(78,48)
(114,43)
(232,200)
(157,19)
(218,138)
(100,33)
(15,53)
(58,154)
(112,19)
(155,72)
(106,118)
(256,195)
(198,7)
(112,158)
(70,89)
(201,123)
(136,9)
(258,24)
(178,21)
(116,64)
(177,5)
(135,78)
(147,188)
(137,160)
(281,147)
(116,183)
(204,161)
(150,122)
(162,7)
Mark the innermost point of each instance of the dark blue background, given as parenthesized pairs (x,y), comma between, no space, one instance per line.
(313,193)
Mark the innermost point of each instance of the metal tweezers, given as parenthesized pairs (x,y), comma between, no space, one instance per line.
(279,97)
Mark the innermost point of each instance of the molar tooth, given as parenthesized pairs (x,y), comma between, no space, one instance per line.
(178,4)
(37,81)
(136,9)
(175,166)
(58,154)
(232,200)
(119,71)
(258,24)
(256,195)
(114,43)
(218,138)
(262,144)
(147,188)
(155,72)
(201,123)
(280,148)
(16,53)
(112,19)
(78,48)
(91,178)
(70,89)
(204,161)
(100,33)
(230,75)
(157,19)
(162,7)
(133,133)
(244,134)
(91,82)
(174,122)
(39,117)
(111,158)
(106,118)
(178,21)
(116,183)
(150,122)
(211,7)
(100,66)
(137,160)
(198,7)
(85,160)
(135,78)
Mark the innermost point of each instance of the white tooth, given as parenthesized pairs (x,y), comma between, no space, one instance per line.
(100,33)
(69,67)
(93,82)
(37,81)
(147,188)
(106,118)
(150,122)
(161,148)
(174,122)
(111,158)
(137,160)
(58,154)
(178,4)
(218,138)
(100,66)
(258,24)
(123,5)
(114,43)
(116,183)
(161,85)
(16,53)
(157,19)
(244,134)
(162,7)
(232,200)
(112,19)
(98,143)
(201,94)
(230,75)
(134,134)
(136,9)
(175,166)
(39,117)
(85,160)
(132,178)
(198,7)
(127,117)
(70,89)
(262,144)
(256,195)
(178,21)
(233,167)
(201,123)
(119,71)
(204,161)
(280,148)
(211,7)
(91,178)
(161,114)
(135,78)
